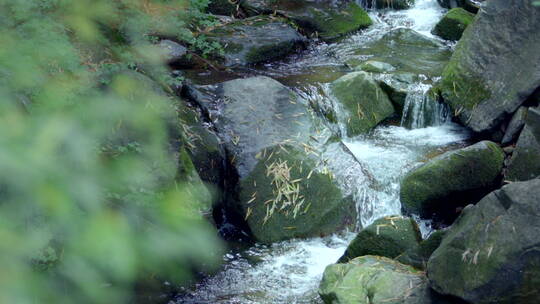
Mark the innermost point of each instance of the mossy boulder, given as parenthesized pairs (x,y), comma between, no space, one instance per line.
(310,205)
(256,39)
(374,280)
(331,24)
(391,4)
(364,103)
(373,66)
(451,180)
(488,77)
(387,237)
(418,256)
(325,19)
(525,161)
(490,254)
(408,51)
(280,190)
(453,24)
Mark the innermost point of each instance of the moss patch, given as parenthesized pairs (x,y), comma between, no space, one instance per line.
(453,24)
(315,207)
(388,237)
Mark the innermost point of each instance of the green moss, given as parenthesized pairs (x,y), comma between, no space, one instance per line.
(324,209)
(387,237)
(363,100)
(331,25)
(453,24)
(459,87)
(452,179)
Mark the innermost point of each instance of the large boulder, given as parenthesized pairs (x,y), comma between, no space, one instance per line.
(408,51)
(525,161)
(488,77)
(255,40)
(392,4)
(491,253)
(453,24)
(418,256)
(453,179)
(329,20)
(374,280)
(387,237)
(283,190)
(364,103)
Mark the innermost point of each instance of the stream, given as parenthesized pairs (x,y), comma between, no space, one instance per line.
(290,271)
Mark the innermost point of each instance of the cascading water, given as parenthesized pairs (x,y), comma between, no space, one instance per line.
(422,110)
(290,271)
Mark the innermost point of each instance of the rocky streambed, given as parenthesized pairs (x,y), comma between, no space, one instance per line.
(364,147)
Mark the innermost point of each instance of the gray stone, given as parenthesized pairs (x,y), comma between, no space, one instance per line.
(173,51)
(491,254)
(525,161)
(255,40)
(488,76)
(515,125)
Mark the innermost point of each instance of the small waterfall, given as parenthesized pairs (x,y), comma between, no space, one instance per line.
(422,110)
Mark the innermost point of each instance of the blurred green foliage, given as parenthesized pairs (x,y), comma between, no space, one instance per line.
(91,204)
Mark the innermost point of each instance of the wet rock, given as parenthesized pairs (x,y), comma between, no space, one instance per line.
(326,19)
(391,4)
(173,51)
(515,126)
(488,77)
(283,190)
(257,39)
(396,86)
(418,256)
(470,5)
(453,24)
(374,280)
(364,103)
(223,7)
(490,254)
(204,148)
(525,161)
(451,180)
(408,51)
(375,67)
(310,205)
(387,237)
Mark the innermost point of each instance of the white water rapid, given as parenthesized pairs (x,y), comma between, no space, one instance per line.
(289,272)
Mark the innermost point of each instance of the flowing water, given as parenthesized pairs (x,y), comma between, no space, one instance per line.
(290,271)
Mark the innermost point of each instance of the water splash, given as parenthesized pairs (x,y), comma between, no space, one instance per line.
(422,110)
